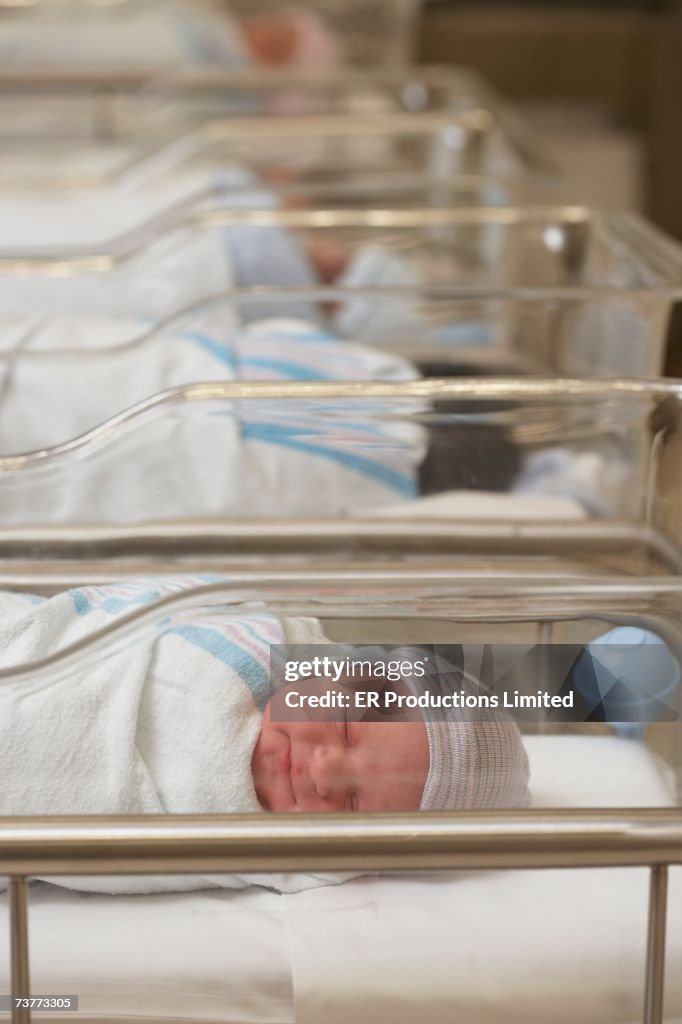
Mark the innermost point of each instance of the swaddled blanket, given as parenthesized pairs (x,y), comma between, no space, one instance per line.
(165,724)
(62,376)
(147,36)
(160,189)
(208,458)
(163,273)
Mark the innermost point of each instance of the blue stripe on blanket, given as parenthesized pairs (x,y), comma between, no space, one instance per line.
(81,604)
(269,433)
(278,367)
(294,371)
(310,334)
(213,347)
(114,605)
(250,671)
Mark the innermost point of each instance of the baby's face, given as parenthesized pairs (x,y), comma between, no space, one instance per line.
(298,38)
(314,766)
(271,40)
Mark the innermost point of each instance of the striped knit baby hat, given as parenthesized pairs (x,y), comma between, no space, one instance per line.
(477,757)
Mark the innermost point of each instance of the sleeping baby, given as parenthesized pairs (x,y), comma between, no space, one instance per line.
(181,716)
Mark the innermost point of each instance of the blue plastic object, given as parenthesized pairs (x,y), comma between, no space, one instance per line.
(632,673)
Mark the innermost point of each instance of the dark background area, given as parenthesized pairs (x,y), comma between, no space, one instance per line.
(624,56)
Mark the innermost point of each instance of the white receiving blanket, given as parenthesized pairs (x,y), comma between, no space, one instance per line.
(211,458)
(162,273)
(48,219)
(374,266)
(63,376)
(137,35)
(162,277)
(215,460)
(166,724)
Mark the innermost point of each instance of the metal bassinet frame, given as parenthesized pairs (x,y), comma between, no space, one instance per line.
(541,839)
(434,842)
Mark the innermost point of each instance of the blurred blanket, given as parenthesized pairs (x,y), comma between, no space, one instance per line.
(178,457)
(145,35)
(62,376)
(160,272)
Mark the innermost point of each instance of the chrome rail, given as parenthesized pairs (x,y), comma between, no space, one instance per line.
(293,843)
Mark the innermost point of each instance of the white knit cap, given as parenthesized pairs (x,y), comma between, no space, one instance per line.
(477,758)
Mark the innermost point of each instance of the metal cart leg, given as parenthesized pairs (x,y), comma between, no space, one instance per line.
(18,923)
(655,950)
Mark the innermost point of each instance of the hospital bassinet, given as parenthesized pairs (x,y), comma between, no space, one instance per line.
(430,931)
(63,377)
(565,478)
(437,332)
(568,289)
(101,105)
(414,162)
(329,150)
(367,33)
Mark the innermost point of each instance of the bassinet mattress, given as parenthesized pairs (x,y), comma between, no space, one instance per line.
(521,946)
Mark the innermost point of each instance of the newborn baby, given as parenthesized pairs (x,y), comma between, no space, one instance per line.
(183,719)
(378,763)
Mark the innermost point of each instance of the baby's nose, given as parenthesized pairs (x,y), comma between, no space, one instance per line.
(329,771)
